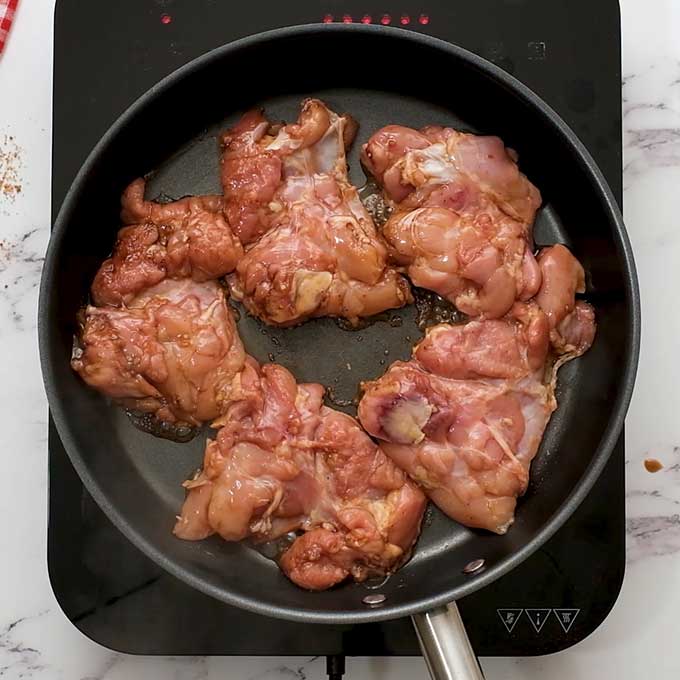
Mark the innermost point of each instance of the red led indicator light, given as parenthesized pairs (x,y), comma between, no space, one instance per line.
(405,20)
(366,19)
(346,19)
(328,19)
(424,19)
(385,19)
(166,19)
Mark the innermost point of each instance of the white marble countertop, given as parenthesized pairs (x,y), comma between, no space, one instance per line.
(638,639)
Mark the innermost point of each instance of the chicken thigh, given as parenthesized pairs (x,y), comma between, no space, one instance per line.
(172,351)
(282,462)
(462,215)
(466,424)
(185,238)
(318,252)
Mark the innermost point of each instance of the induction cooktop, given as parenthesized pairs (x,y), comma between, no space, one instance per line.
(105,56)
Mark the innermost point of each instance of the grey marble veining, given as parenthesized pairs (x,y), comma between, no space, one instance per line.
(21,259)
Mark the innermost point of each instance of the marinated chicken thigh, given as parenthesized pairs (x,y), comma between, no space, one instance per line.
(283,462)
(172,351)
(466,426)
(185,238)
(462,215)
(318,252)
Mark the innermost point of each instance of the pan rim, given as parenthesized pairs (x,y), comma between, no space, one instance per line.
(600,455)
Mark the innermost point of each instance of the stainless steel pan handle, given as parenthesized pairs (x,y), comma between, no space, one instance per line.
(445,645)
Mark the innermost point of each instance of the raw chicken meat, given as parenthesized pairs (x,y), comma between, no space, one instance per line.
(283,462)
(254,157)
(495,348)
(462,215)
(572,322)
(466,415)
(445,168)
(173,351)
(318,253)
(185,238)
(480,262)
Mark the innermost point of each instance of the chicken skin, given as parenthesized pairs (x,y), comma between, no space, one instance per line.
(462,215)
(282,462)
(172,351)
(466,425)
(185,238)
(314,248)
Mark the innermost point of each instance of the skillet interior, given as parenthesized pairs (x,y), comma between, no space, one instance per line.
(136,478)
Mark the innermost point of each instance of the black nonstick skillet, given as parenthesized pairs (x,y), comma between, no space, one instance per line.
(380,75)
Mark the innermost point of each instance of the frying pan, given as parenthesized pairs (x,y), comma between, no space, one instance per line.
(381,75)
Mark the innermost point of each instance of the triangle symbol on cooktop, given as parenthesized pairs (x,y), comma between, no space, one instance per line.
(566,617)
(538,617)
(509,617)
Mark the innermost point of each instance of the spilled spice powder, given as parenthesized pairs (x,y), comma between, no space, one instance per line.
(652,465)
(6,248)
(10,165)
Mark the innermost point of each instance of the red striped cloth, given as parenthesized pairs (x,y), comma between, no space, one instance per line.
(7,10)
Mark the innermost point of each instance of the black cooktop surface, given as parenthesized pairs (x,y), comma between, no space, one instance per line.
(106,55)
